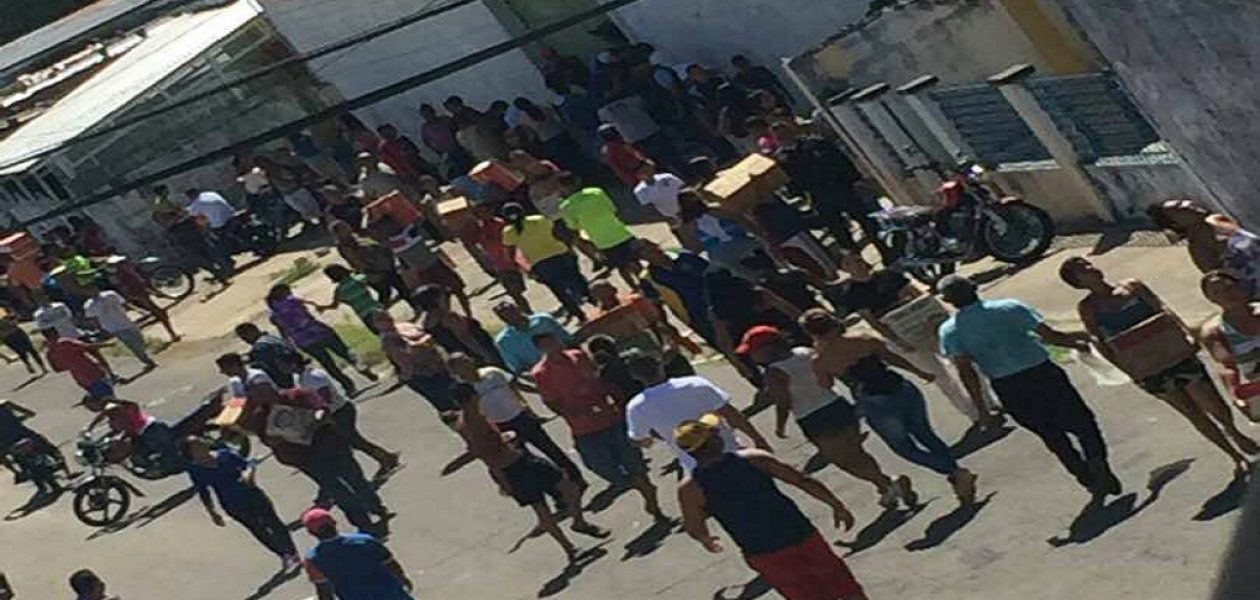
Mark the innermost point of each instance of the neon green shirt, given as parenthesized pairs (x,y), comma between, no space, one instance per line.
(592,212)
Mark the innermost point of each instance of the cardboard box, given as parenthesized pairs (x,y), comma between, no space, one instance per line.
(1151,347)
(748,183)
(20,246)
(456,214)
(393,205)
(917,321)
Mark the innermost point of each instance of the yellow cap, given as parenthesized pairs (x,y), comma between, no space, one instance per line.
(692,434)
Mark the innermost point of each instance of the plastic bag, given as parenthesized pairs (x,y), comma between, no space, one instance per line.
(1105,374)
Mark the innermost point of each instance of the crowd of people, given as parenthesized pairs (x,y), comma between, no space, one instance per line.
(614,361)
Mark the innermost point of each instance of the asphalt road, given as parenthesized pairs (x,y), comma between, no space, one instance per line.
(460,539)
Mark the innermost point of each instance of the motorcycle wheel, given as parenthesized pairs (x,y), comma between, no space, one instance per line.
(1021,233)
(171,282)
(232,439)
(930,275)
(102,501)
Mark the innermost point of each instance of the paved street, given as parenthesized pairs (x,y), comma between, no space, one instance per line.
(460,540)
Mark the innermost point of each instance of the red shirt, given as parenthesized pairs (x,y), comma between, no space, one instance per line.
(571,385)
(69,354)
(624,159)
(400,158)
(490,238)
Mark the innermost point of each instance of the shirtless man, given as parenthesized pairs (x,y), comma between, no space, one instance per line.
(525,477)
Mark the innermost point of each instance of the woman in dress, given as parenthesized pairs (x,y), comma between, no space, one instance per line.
(1110,310)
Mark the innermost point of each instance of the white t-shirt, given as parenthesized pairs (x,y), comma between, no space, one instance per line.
(57,316)
(662,407)
(661,194)
(110,310)
(499,402)
(318,380)
(631,119)
(237,386)
(255,181)
(216,210)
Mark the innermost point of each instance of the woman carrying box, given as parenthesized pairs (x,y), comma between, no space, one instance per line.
(1137,332)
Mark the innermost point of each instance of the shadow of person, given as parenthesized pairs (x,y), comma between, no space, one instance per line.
(1097,517)
(584,559)
(148,514)
(277,580)
(1225,501)
(29,381)
(948,524)
(752,590)
(883,525)
(605,498)
(816,463)
(458,463)
(651,539)
(40,500)
(978,438)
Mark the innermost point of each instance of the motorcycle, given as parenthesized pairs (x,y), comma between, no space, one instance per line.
(166,279)
(100,497)
(37,464)
(246,232)
(974,220)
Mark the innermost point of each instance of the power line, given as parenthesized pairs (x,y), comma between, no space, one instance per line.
(343,44)
(362,101)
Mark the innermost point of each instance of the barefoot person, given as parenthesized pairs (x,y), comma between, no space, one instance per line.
(893,406)
(569,384)
(740,489)
(1233,338)
(1003,338)
(231,478)
(1111,311)
(828,421)
(528,479)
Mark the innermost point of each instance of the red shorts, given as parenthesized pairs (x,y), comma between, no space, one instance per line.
(809,570)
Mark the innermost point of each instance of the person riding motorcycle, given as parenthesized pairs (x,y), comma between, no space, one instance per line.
(152,442)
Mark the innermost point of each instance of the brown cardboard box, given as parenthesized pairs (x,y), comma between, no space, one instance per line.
(456,213)
(748,183)
(1151,346)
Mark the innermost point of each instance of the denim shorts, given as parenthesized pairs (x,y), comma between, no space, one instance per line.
(101,388)
(610,454)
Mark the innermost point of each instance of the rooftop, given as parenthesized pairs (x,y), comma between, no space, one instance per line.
(167,45)
(81,22)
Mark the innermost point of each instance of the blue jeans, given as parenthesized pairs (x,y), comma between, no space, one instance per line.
(900,418)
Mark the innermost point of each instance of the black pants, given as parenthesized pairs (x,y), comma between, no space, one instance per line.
(341,479)
(528,428)
(323,353)
(20,343)
(258,515)
(385,284)
(562,276)
(1045,402)
(345,422)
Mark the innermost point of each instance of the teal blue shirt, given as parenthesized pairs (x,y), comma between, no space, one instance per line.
(517,348)
(998,335)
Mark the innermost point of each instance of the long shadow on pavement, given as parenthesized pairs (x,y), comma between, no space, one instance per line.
(946,525)
(883,525)
(146,516)
(36,503)
(978,438)
(651,539)
(29,381)
(270,585)
(560,582)
(1098,518)
(605,498)
(752,590)
(1225,501)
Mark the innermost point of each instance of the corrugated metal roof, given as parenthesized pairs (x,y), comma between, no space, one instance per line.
(169,45)
(76,24)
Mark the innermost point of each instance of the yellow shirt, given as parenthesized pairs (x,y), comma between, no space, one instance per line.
(535,239)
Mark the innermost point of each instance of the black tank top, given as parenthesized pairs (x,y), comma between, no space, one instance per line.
(869,376)
(750,507)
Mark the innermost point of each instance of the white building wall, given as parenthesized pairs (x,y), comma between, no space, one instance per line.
(709,32)
(309,24)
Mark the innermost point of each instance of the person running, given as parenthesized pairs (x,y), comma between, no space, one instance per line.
(893,407)
(1233,338)
(16,339)
(353,290)
(489,238)
(502,404)
(231,478)
(314,337)
(1003,338)
(109,309)
(420,363)
(1110,310)
(343,414)
(550,260)
(591,212)
(516,341)
(665,403)
(874,294)
(351,566)
(84,361)
(454,332)
(828,421)
(267,352)
(739,488)
(528,479)
(569,385)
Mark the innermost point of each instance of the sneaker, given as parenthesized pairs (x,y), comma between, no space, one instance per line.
(964,483)
(906,492)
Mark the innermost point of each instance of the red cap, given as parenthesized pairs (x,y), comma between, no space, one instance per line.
(317,519)
(759,336)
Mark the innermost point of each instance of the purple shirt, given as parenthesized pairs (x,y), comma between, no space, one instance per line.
(438,134)
(297,323)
